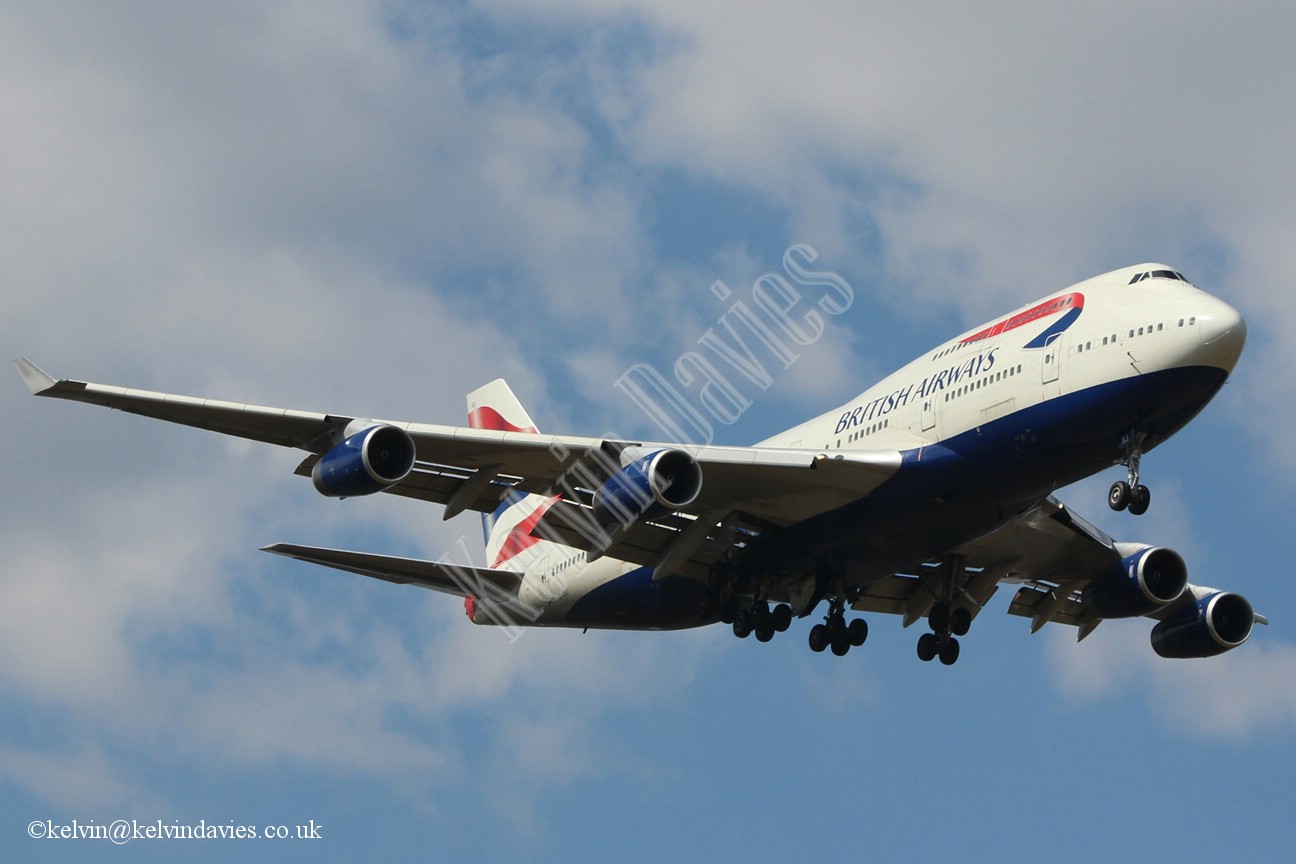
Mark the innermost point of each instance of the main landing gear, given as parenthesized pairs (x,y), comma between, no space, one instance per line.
(1130,494)
(950,616)
(836,633)
(747,618)
(945,625)
(760,619)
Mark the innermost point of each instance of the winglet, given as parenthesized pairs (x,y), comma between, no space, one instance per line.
(35,379)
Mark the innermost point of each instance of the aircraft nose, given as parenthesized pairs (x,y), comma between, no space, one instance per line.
(1223,333)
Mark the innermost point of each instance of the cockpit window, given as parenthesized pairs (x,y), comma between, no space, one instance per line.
(1158,274)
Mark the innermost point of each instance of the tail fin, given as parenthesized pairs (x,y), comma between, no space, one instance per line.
(494,406)
(508,529)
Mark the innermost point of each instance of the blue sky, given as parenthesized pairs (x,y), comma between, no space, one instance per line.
(372,208)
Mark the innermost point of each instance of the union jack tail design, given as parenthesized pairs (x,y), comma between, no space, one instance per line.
(508,529)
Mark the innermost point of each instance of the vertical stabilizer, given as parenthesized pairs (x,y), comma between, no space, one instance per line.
(494,406)
(508,529)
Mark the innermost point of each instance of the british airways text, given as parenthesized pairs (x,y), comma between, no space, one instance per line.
(950,377)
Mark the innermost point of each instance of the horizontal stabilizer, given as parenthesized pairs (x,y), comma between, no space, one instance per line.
(447,578)
(33,376)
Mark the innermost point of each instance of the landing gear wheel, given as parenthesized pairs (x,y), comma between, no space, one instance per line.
(949,651)
(960,621)
(1140,498)
(819,637)
(928,645)
(781,617)
(743,626)
(1120,495)
(857,632)
(841,643)
(765,632)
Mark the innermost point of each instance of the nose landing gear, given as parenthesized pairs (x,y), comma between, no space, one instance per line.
(1130,494)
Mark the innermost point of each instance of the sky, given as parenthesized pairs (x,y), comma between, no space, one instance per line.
(371,208)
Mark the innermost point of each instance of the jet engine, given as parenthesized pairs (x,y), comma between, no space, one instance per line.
(1147,579)
(661,482)
(368,461)
(1208,626)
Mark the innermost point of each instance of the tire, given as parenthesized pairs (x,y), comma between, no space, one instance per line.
(818,638)
(928,645)
(961,621)
(742,627)
(949,652)
(1118,497)
(1140,500)
(765,632)
(841,644)
(782,617)
(857,631)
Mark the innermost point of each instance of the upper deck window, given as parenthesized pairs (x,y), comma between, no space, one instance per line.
(1158,274)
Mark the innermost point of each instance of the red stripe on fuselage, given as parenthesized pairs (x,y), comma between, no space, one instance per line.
(1074,300)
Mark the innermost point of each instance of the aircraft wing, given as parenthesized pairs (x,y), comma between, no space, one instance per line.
(467,468)
(446,578)
(1050,551)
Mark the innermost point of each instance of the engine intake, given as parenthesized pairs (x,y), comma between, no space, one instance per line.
(1210,625)
(369,461)
(1146,580)
(658,483)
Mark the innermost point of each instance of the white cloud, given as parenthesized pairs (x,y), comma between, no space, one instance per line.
(287,205)
(1004,160)
(1242,694)
(83,780)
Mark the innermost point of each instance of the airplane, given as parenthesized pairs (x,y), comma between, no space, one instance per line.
(917,498)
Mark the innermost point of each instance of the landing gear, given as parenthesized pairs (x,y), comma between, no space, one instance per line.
(931,646)
(835,633)
(945,624)
(1135,498)
(760,619)
(956,594)
(1130,494)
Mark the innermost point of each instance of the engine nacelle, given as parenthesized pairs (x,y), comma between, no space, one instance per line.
(660,482)
(368,461)
(1210,625)
(1146,580)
